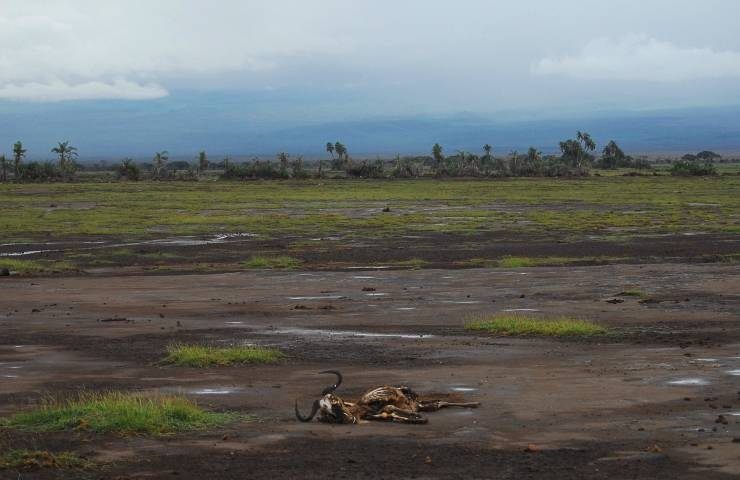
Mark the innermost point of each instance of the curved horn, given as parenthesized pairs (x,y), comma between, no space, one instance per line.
(331,388)
(314,409)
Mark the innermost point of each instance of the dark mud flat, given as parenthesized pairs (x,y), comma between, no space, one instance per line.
(435,250)
(642,403)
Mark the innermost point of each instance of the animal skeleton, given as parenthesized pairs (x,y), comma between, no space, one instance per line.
(397,404)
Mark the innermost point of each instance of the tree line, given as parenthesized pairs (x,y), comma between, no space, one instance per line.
(577,157)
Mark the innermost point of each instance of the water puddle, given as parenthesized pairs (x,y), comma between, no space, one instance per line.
(370,267)
(464,389)
(689,382)
(462,302)
(405,309)
(377,294)
(98,245)
(214,391)
(706,360)
(27,252)
(348,333)
(234,323)
(734,373)
(325,297)
(521,310)
(363,277)
(10,376)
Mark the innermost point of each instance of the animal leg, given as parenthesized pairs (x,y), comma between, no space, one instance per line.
(395,417)
(400,411)
(434,405)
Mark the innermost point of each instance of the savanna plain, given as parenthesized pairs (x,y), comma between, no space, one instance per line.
(166,329)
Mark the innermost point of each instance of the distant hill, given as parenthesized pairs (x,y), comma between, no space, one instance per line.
(223,125)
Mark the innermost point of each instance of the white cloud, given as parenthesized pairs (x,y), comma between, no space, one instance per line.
(94,49)
(640,57)
(57,90)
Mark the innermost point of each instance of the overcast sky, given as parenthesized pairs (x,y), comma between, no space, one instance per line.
(377,57)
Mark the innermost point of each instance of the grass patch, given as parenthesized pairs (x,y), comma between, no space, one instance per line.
(516,324)
(207,356)
(519,262)
(121,413)
(281,262)
(37,459)
(30,267)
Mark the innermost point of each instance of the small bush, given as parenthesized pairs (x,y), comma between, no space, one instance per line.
(516,324)
(206,356)
(116,412)
(687,168)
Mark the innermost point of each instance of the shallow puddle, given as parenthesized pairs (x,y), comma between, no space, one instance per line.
(462,302)
(347,333)
(464,389)
(214,391)
(363,277)
(377,294)
(735,373)
(325,297)
(521,310)
(689,382)
(370,267)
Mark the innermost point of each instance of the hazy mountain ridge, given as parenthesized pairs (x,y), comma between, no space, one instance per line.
(225,126)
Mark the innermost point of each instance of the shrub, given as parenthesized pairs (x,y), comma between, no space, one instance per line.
(687,168)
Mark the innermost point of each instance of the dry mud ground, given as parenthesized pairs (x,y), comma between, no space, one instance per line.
(643,403)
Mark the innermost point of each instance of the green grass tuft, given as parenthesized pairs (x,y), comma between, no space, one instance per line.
(206,356)
(37,459)
(282,262)
(516,324)
(634,293)
(121,413)
(30,267)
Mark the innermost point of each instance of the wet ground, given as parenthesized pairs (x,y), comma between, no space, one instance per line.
(226,251)
(659,398)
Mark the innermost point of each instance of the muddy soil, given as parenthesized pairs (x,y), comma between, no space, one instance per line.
(642,402)
(106,256)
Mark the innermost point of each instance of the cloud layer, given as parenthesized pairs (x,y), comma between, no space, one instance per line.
(333,57)
(83,49)
(641,57)
(57,90)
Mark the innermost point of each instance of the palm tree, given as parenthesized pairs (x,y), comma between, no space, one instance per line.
(18,154)
(587,143)
(284,159)
(341,153)
(159,162)
(330,149)
(438,158)
(202,161)
(487,148)
(3,168)
(66,153)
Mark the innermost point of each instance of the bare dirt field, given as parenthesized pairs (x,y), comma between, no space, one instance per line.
(657,397)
